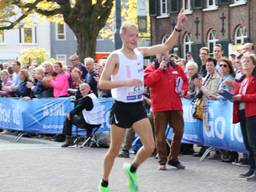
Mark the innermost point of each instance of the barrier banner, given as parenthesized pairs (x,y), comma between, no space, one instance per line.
(36,115)
(193,128)
(44,115)
(221,134)
(47,116)
(11,111)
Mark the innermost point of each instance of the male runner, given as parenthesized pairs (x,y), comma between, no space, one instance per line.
(123,74)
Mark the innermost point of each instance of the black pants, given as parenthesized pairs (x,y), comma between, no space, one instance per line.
(248,128)
(77,120)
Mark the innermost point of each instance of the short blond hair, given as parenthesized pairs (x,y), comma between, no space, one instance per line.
(126,25)
(77,70)
(89,60)
(84,85)
(40,70)
(250,56)
(205,49)
(73,57)
(191,64)
(46,63)
(6,72)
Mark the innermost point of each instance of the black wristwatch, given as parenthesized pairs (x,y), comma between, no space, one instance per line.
(178,30)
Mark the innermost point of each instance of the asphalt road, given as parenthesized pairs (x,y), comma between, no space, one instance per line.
(35,165)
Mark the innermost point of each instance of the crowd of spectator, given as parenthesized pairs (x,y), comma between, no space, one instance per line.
(42,80)
(209,79)
(214,74)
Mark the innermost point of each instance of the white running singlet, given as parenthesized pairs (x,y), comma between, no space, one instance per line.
(129,69)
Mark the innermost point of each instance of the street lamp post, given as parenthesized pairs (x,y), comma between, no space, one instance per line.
(118,42)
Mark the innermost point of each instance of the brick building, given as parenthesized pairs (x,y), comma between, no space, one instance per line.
(228,22)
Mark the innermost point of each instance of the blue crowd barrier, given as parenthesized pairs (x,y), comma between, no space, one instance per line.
(47,116)
(36,115)
(41,115)
(222,134)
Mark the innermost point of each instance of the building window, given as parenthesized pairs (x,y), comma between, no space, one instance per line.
(2,37)
(60,31)
(212,39)
(163,7)
(152,7)
(240,35)
(239,1)
(198,4)
(62,58)
(211,3)
(186,5)
(173,6)
(28,35)
(187,40)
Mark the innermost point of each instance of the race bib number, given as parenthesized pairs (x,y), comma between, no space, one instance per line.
(135,93)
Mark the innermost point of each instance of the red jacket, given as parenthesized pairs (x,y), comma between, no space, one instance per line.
(249,99)
(163,84)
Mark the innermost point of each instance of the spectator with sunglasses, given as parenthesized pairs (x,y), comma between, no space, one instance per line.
(75,63)
(227,73)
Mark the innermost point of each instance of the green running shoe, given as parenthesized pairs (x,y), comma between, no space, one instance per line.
(103,189)
(133,180)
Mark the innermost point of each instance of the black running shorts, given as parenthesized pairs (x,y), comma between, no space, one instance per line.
(125,114)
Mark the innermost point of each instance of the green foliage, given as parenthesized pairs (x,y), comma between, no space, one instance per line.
(6,11)
(45,5)
(30,55)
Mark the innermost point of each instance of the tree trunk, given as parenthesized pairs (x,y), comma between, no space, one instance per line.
(86,41)
(86,22)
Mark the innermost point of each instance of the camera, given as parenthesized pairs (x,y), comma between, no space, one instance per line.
(72,91)
(166,66)
(169,63)
(156,63)
(172,63)
(73,94)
